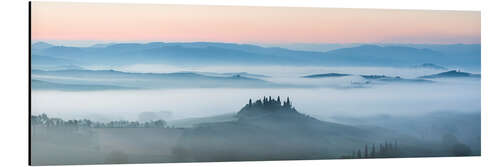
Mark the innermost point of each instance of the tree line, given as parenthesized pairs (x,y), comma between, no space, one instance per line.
(45,121)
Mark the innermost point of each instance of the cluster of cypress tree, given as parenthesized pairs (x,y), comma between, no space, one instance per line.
(386,150)
(267,104)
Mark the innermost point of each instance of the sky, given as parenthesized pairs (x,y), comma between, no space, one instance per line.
(63,21)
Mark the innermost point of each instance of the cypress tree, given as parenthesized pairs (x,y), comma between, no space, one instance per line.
(366,151)
(289,103)
(381,149)
(372,154)
(386,146)
(396,146)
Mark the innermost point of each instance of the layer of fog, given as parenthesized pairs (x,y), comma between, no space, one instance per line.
(393,99)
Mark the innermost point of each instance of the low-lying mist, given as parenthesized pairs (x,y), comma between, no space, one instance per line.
(393,99)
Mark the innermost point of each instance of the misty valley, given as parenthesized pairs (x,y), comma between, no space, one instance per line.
(264,130)
(202,102)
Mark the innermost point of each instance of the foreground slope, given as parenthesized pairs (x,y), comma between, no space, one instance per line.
(271,130)
(268,129)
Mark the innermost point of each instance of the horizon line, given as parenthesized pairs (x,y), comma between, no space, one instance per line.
(89,43)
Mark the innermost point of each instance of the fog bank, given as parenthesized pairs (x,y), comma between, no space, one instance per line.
(393,99)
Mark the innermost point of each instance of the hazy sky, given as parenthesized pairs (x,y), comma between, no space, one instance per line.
(146,22)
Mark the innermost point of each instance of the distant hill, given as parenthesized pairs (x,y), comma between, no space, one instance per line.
(44,85)
(387,55)
(430,66)
(149,80)
(102,45)
(131,75)
(453,74)
(326,75)
(47,60)
(213,53)
(457,54)
(382,78)
(241,74)
(393,79)
(41,45)
(53,63)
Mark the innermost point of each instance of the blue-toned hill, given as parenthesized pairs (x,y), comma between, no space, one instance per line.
(213,53)
(430,66)
(453,74)
(326,75)
(150,80)
(385,55)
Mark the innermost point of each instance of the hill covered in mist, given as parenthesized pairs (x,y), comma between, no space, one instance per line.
(453,74)
(273,129)
(79,79)
(213,53)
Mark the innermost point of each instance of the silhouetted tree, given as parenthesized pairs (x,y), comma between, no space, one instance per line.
(388,149)
(372,154)
(381,149)
(396,146)
(366,151)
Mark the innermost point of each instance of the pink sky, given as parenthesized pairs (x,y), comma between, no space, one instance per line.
(147,22)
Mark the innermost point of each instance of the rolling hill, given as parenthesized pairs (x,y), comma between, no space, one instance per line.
(453,74)
(326,75)
(149,80)
(370,78)
(213,53)
(430,66)
(44,85)
(274,130)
